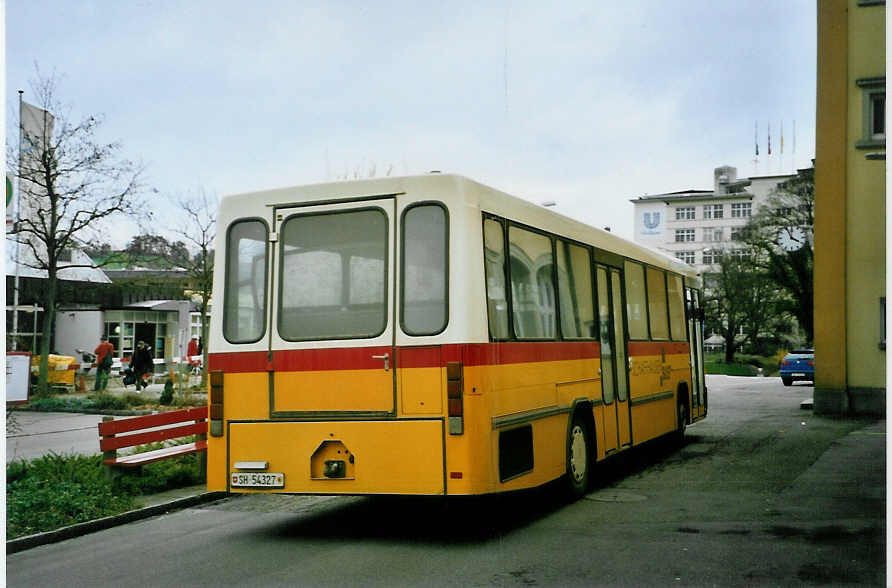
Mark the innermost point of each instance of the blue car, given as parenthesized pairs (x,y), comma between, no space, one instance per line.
(798,365)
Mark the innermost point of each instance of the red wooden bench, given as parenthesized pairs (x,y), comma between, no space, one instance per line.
(130,432)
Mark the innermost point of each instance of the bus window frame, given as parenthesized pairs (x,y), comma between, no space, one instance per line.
(281,262)
(506,224)
(625,286)
(402,274)
(669,275)
(593,284)
(662,272)
(266,288)
(501,222)
(510,290)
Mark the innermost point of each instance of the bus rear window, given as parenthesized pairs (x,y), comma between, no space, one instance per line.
(333,269)
(425,263)
(244,306)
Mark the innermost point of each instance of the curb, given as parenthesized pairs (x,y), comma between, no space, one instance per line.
(38,539)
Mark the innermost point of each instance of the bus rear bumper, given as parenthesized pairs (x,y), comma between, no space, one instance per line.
(337,457)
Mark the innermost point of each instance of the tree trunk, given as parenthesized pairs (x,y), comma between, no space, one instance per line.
(49,311)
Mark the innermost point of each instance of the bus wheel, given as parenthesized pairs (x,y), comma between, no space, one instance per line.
(682,421)
(578,463)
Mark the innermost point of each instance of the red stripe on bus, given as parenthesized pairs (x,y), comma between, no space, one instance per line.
(529,351)
(342,358)
(239,361)
(657,347)
(357,358)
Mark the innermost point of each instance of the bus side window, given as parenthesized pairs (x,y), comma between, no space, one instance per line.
(636,301)
(494,264)
(425,263)
(244,298)
(656,304)
(676,308)
(575,291)
(532,285)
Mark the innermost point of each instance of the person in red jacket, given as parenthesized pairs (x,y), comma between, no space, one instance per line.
(104,352)
(192,351)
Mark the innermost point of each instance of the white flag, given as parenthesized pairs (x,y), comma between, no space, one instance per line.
(37,128)
(36,138)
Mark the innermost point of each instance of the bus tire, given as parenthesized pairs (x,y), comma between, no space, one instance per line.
(682,412)
(579,451)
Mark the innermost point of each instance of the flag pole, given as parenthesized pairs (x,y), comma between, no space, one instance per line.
(16,213)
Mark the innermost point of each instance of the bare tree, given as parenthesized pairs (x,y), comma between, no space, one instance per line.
(198,229)
(69,184)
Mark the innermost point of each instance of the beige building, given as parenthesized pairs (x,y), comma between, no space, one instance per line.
(850,208)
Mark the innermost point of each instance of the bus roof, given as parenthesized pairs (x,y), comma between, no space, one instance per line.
(454,188)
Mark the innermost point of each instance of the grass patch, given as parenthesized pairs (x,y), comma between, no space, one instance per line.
(56,491)
(103,401)
(744,365)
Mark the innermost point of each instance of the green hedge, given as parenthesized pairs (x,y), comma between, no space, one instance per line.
(744,365)
(56,491)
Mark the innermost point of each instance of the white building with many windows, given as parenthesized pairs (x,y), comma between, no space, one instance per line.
(693,225)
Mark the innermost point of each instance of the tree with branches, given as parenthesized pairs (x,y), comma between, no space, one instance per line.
(782,235)
(741,299)
(70,185)
(198,229)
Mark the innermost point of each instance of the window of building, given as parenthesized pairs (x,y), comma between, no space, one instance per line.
(873,106)
(741,209)
(636,301)
(713,211)
(740,254)
(424,267)
(711,256)
(712,234)
(532,285)
(656,304)
(684,235)
(736,233)
(686,256)
(685,213)
(575,289)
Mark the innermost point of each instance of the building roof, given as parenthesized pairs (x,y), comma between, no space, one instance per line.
(689,195)
(23,266)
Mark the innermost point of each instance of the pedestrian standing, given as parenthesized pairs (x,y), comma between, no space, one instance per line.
(104,352)
(142,364)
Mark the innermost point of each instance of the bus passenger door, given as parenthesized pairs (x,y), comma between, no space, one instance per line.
(695,339)
(614,379)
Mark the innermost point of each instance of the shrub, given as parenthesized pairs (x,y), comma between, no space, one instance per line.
(56,491)
(166,397)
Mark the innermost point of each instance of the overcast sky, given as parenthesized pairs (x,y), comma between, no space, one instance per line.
(587,104)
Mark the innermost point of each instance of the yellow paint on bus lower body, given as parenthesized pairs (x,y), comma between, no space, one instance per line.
(384,457)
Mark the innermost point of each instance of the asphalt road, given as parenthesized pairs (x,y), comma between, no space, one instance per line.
(762,493)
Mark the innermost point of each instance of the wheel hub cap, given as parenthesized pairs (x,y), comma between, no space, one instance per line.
(577,453)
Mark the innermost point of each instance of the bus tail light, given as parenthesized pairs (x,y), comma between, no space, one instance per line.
(216,408)
(455,398)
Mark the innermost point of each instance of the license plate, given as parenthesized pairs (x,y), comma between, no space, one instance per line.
(258,480)
(798,375)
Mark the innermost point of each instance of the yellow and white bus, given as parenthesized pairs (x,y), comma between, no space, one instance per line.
(430,335)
